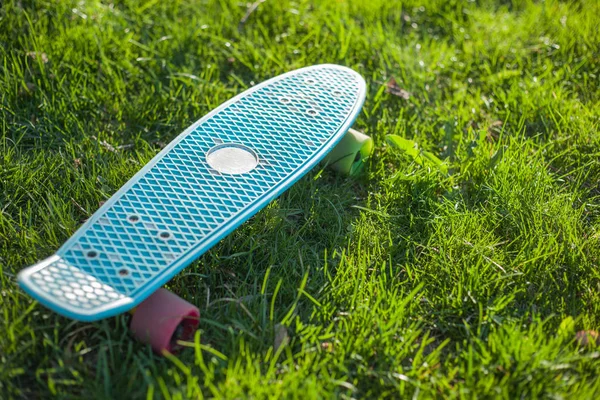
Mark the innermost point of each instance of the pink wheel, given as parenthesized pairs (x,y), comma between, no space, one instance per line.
(163,319)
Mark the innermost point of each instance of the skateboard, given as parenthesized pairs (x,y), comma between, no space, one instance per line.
(211,178)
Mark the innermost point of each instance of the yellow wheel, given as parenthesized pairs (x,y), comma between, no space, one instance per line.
(351,153)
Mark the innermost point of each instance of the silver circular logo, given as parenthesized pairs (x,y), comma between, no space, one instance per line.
(232,159)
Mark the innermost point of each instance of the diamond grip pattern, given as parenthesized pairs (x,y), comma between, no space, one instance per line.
(178,202)
(67,284)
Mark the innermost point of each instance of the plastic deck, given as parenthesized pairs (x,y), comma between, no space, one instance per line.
(203,185)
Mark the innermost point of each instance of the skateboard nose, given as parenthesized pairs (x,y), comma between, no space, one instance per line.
(232,158)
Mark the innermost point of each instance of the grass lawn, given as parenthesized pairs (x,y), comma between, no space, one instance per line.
(415,280)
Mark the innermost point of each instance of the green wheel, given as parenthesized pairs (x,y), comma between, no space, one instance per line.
(351,153)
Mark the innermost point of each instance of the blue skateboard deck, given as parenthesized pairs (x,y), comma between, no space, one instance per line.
(215,175)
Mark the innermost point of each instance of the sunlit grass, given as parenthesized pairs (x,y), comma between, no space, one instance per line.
(413,280)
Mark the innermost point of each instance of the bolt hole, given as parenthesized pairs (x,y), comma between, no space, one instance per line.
(164,235)
(312,112)
(309,81)
(92,254)
(285,100)
(133,218)
(337,93)
(123,272)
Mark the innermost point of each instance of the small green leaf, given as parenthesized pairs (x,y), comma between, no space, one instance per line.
(411,148)
(567,327)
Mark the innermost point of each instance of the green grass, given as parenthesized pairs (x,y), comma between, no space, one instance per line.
(407,282)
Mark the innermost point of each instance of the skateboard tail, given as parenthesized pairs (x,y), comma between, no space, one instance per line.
(71,292)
